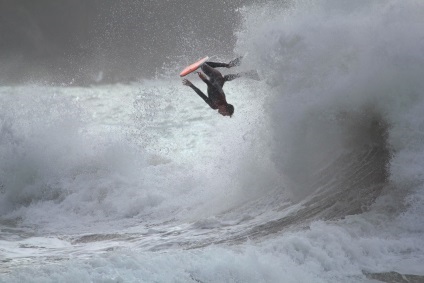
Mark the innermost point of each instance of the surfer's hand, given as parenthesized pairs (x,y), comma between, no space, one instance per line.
(187,82)
(201,75)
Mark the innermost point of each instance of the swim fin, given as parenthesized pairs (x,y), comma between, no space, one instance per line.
(252,74)
(236,62)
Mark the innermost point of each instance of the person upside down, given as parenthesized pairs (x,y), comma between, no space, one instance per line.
(216,97)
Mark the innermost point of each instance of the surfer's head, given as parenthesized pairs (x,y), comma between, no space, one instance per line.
(226,110)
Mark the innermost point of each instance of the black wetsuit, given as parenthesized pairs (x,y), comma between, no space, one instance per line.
(216,96)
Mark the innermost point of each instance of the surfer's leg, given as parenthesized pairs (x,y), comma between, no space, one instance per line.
(211,72)
(233,63)
(217,64)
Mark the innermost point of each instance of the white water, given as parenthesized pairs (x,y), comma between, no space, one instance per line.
(316,178)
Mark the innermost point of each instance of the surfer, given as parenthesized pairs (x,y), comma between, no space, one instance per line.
(216,96)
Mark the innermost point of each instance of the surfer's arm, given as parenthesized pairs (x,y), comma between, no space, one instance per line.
(199,93)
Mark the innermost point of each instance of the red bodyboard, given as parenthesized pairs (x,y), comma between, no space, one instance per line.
(193,67)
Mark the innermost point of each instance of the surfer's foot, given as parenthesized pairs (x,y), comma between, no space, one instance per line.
(187,82)
(234,63)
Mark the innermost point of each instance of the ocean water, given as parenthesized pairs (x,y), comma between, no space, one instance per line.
(318,176)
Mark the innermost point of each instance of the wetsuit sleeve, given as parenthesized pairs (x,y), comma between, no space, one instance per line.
(203,96)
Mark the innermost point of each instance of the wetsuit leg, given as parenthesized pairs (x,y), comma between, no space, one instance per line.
(233,63)
(211,72)
(217,64)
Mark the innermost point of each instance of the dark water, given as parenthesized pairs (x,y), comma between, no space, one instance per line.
(79,42)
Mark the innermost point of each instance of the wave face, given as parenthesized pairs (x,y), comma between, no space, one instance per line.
(316,178)
(346,80)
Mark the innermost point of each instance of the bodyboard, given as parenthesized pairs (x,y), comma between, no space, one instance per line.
(193,67)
